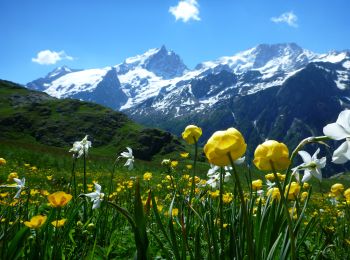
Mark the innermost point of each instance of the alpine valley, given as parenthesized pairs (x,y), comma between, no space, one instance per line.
(278,91)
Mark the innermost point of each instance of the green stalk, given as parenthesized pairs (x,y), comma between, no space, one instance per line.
(74,180)
(250,242)
(84,186)
(222,242)
(285,206)
(194,169)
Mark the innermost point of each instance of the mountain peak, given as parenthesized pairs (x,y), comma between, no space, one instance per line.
(161,61)
(59,71)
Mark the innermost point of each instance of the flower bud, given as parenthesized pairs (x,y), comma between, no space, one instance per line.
(271,152)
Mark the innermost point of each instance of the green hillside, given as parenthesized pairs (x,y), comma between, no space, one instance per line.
(34,118)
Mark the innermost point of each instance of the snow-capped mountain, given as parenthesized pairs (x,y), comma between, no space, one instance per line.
(42,83)
(156,88)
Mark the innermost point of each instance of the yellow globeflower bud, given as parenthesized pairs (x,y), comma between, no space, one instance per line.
(2,161)
(58,223)
(271,151)
(147,176)
(222,143)
(36,221)
(347,194)
(59,199)
(270,177)
(257,184)
(11,176)
(274,193)
(337,189)
(191,134)
(293,190)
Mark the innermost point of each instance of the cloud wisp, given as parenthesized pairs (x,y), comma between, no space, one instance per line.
(186,10)
(47,57)
(289,18)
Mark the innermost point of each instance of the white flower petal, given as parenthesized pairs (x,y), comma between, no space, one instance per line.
(321,163)
(317,173)
(96,204)
(344,120)
(335,131)
(213,170)
(18,194)
(130,150)
(93,195)
(342,153)
(18,181)
(305,156)
(307,175)
(239,160)
(97,187)
(314,156)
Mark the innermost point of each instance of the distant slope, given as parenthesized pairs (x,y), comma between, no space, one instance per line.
(37,117)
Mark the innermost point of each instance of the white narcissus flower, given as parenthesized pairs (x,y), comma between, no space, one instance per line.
(79,147)
(20,184)
(214,175)
(96,196)
(130,158)
(311,166)
(338,131)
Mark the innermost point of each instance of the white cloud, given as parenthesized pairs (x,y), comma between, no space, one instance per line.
(186,10)
(289,18)
(48,57)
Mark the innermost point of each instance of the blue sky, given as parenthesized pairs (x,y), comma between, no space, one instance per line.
(91,33)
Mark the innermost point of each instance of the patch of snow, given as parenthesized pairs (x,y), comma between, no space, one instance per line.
(346,64)
(75,82)
(331,57)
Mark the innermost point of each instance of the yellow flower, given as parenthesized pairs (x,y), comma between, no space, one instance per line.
(189,166)
(36,221)
(49,177)
(26,165)
(59,199)
(147,176)
(222,143)
(4,194)
(257,184)
(34,168)
(293,190)
(174,164)
(306,186)
(347,195)
(227,197)
(274,193)
(185,176)
(175,212)
(34,192)
(11,176)
(192,134)
(271,151)
(304,195)
(337,189)
(2,161)
(184,154)
(58,223)
(293,213)
(214,194)
(270,177)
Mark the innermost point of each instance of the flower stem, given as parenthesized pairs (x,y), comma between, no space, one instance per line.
(286,211)
(84,186)
(221,222)
(74,180)
(250,243)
